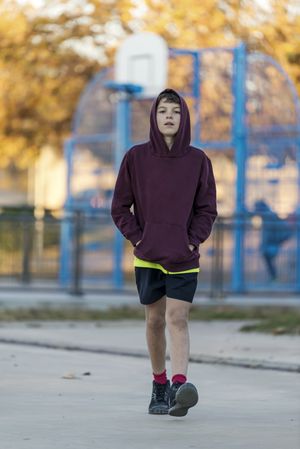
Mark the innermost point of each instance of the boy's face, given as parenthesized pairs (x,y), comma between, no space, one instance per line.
(168,118)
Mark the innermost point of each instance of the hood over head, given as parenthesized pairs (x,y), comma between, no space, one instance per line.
(182,140)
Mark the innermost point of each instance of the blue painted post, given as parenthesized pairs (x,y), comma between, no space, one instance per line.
(122,143)
(239,140)
(196,95)
(298,215)
(66,225)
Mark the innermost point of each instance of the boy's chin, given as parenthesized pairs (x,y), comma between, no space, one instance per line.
(169,134)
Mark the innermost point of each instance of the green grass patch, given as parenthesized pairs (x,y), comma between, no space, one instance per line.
(71,314)
(286,323)
(273,320)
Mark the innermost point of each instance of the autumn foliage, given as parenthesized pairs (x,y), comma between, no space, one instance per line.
(48,55)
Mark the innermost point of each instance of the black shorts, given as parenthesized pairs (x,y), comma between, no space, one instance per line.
(153,283)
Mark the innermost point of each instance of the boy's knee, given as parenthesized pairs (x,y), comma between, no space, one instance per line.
(176,319)
(156,323)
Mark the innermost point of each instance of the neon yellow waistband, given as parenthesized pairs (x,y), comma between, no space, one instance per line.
(145,264)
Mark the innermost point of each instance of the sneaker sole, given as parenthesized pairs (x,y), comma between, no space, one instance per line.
(159,411)
(186,397)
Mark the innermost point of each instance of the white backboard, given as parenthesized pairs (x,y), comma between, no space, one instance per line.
(143,59)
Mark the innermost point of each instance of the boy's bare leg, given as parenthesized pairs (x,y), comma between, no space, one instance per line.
(182,396)
(177,313)
(155,333)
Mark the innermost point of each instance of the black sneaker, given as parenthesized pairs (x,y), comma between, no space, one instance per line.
(182,397)
(159,404)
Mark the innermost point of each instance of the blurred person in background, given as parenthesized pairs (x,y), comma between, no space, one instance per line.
(275,232)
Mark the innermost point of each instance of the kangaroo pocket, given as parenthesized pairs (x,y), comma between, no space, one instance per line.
(163,242)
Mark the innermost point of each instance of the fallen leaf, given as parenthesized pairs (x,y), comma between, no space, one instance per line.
(69,376)
(279,330)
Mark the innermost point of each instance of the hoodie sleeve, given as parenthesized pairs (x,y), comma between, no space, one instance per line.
(122,201)
(204,207)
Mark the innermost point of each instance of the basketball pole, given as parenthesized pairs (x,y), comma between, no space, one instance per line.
(239,139)
(125,93)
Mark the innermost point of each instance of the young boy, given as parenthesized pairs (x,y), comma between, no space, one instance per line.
(172,189)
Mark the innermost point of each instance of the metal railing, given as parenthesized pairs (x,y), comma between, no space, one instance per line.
(30,255)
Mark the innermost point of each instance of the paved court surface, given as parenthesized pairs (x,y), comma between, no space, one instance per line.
(239,408)
(27,297)
(214,341)
(48,401)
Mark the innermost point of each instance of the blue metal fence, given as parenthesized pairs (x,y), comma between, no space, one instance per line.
(30,254)
(245,112)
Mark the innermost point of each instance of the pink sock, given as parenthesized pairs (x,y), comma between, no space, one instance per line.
(160,378)
(181,378)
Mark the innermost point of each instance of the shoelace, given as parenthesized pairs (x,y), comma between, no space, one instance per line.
(176,385)
(160,392)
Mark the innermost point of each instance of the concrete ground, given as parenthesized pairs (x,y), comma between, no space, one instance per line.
(211,342)
(28,297)
(48,401)
(87,385)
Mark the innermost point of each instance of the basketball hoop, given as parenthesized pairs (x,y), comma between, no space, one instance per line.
(142,60)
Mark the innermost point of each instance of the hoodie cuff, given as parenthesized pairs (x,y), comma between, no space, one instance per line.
(194,242)
(136,238)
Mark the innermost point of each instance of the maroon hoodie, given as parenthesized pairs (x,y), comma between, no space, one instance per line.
(173,193)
